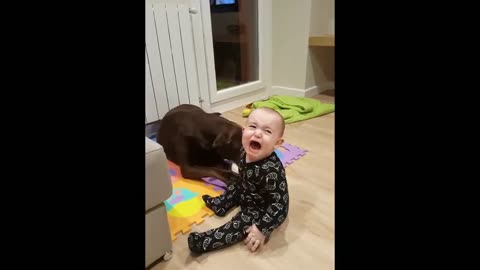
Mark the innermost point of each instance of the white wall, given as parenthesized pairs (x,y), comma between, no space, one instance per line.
(321,17)
(320,60)
(298,69)
(290,26)
(320,70)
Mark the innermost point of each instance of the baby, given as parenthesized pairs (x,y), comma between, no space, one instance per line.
(261,191)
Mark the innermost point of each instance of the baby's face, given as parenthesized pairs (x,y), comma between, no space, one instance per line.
(261,135)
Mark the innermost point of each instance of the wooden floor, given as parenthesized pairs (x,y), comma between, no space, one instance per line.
(306,239)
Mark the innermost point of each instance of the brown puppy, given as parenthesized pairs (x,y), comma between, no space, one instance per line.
(199,142)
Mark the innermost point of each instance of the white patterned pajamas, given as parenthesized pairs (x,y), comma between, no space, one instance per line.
(262,194)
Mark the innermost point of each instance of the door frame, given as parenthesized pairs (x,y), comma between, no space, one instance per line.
(264,55)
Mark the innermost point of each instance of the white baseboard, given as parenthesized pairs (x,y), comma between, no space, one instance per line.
(312,91)
(239,101)
(309,92)
(326,86)
(287,91)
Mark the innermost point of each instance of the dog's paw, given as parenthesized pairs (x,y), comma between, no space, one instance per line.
(234,168)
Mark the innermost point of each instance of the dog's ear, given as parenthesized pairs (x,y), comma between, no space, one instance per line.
(204,143)
(215,114)
(224,137)
(221,139)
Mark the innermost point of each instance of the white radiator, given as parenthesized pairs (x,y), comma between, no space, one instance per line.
(175,66)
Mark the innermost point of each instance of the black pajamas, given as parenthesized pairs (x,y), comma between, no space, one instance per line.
(262,194)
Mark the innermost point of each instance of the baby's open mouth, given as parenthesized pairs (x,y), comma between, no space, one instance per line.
(255,145)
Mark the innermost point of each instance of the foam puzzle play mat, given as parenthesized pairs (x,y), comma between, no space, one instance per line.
(185,206)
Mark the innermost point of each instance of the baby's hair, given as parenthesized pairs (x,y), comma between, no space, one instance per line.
(279,116)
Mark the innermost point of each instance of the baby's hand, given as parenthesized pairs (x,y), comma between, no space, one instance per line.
(255,238)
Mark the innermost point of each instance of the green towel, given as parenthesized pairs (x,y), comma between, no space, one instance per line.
(294,109)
